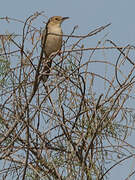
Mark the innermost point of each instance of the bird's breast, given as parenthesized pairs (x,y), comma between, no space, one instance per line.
(53,42)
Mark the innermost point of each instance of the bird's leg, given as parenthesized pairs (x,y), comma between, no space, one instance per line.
(59,52)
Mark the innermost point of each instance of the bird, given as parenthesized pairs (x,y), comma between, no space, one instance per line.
(51,42)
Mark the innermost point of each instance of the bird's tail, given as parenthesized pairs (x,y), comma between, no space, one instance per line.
(45,72)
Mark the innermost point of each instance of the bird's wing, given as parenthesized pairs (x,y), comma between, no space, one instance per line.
(43,38)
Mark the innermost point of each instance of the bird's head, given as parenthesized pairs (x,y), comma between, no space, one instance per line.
(57,20)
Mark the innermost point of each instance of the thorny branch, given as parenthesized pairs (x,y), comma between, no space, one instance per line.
(63,128)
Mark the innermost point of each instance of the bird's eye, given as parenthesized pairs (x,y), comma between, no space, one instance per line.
(56,19)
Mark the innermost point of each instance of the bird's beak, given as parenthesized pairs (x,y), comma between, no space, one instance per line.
(64,18)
